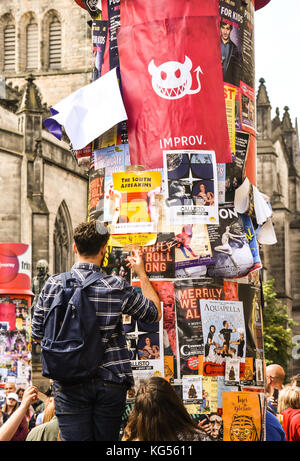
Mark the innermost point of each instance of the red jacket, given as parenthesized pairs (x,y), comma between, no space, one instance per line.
(291,424)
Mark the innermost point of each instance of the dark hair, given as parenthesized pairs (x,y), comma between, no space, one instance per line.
(90,237)
(225,23)
(159,414)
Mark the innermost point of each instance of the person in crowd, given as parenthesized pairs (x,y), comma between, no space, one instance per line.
(289,411)
(295,380)
(8,387)
(47,431)
(10,406)
(158,414)
(94,411)
(275,376)
(30,413)
(10,430)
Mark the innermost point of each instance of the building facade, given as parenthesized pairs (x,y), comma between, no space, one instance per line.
(278,176)
(45,55)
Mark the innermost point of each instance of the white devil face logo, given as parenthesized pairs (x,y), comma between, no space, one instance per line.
(172,79)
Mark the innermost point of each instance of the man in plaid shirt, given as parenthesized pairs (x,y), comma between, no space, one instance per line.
(93,409)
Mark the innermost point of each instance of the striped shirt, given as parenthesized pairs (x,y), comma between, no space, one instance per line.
(112,297)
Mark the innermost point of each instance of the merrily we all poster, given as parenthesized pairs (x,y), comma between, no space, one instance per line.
(191,187)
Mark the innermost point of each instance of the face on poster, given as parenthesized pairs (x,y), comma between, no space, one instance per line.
(224,331)
(191,187)
(145,345)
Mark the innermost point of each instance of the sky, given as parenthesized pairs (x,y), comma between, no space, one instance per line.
(277,54)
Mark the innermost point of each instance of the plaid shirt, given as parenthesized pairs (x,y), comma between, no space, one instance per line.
(112,296)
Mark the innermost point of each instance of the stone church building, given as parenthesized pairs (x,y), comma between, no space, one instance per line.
(45,55)
(278,176)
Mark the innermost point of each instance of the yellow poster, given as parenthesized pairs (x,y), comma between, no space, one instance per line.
(242,417)
(230,94)
(136,216)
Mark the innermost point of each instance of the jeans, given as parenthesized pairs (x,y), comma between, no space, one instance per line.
(89,411)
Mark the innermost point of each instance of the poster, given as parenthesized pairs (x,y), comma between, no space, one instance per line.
(191,187)
(165,291)
(145,345)
(232,256)
(243,416)
(99,36)
(96,193)
(224,331)
(190,335)
(192,389)
(135,211)
(110,159)
(235,171)
(192,250)
(159,259)
(114,262)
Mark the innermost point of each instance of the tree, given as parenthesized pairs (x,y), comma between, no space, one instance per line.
(277,328)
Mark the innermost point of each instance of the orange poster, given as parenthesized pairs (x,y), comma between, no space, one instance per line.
(242,417)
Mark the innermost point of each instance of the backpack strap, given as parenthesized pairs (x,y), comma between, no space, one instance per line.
(91,279)
(65,276)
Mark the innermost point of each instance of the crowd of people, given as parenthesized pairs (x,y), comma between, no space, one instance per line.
(92,409)
(283,410)
(27,415)
(28,418)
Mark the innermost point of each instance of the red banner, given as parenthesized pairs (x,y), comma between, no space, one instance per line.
(138,11)
(173,88)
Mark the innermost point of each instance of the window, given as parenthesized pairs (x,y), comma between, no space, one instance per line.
(9,48)
(32,46)
(55,44)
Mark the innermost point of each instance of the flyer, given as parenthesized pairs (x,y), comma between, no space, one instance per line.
(224,331)
(111,159)
(192,250)
(191,187)
(114,262)
(145,345)
(165,291)
(188,314)
(135,211)
(159,259)
(96,193)
(242,417)
(192,389)
(235,170)
(232,256)
(99,36)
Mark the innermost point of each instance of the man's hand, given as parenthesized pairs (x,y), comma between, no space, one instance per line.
(30,396)
(136,263)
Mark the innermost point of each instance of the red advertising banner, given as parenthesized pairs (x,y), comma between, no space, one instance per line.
(173,88)
(15,269)
(139,11)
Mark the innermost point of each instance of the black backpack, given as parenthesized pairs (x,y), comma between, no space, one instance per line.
(72,349)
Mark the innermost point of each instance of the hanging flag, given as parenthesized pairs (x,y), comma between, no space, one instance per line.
(88,112)
(138,11)
(173,88)
(261,3)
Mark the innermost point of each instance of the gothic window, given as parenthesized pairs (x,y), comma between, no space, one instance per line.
(32,45)
(63,254)
(9,48)
(54,44)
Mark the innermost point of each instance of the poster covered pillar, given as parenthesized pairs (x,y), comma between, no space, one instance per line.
(15,315)
(187,74)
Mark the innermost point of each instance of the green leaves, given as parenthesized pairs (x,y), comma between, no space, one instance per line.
(277,328)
